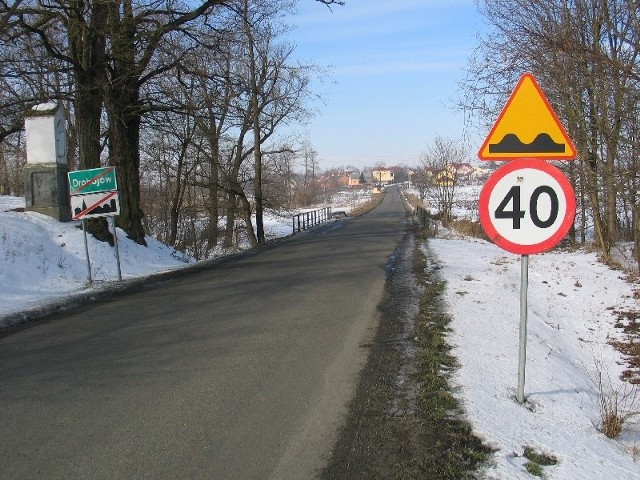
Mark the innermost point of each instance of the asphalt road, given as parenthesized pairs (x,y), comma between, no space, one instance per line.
(240,371)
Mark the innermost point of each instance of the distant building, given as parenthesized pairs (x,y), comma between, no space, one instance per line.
(383,175)
(463,170)
(458,173)
(348,178)
(356,179)
(480,174)
(340,178)
(446,177)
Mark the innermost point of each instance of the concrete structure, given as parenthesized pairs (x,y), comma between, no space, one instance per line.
(46,183)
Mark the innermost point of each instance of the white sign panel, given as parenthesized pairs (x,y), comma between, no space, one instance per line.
(527,206)
(95,205)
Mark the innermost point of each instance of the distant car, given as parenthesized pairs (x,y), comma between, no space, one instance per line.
(338,214)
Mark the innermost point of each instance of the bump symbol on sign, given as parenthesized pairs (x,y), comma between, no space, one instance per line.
(528,127)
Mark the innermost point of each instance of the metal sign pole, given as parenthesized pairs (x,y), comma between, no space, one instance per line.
(522,358)
(86,249)
(115,239)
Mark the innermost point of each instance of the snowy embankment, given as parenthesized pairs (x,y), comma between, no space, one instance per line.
(572,305)
(43,260)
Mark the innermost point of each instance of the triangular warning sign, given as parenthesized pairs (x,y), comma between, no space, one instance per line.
(527,128)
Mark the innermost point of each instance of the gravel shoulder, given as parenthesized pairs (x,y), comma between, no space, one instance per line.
(404,421)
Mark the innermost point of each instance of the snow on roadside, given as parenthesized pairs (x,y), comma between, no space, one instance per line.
(42,259)
(571,303)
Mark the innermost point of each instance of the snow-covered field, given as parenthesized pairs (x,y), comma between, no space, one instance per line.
(572,303)
(572,300)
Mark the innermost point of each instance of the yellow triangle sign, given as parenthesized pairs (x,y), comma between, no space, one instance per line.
(527,128)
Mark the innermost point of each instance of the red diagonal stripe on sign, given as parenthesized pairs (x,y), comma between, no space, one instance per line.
(88,209)
(86,185)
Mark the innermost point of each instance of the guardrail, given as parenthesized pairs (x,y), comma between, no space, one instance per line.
(428,220)
(309,219)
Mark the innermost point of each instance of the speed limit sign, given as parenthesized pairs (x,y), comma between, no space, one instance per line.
(527,206)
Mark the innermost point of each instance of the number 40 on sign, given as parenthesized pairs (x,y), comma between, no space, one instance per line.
(527,206)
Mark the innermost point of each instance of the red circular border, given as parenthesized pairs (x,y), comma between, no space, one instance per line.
(553,240)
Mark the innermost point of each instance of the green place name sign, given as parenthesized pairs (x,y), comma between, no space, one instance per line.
(93,180)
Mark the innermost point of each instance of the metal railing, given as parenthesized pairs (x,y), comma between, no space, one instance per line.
(309,219)
(428,220)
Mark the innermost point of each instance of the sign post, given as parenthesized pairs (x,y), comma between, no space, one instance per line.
(94,194)
(86,250)
(522,350)
(527,206)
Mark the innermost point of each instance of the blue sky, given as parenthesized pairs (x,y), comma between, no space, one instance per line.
(394,71)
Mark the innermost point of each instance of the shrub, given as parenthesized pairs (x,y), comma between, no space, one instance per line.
(618,405)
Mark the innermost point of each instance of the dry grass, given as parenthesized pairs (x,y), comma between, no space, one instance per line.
(618,404)
(629,322)
(376,199)
(469,228)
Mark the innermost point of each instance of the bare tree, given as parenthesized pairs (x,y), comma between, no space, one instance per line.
(422,182)
(275,91)
(439,161)
(310,160)
(585,55)
(113,51)
(136,35)
(69,36)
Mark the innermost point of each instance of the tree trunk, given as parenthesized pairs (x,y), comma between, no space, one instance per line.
(246,216)
(123,104)
(257,184)
(231,220)
(591,172)
(174,211)
(255,111)
(87,45)
(214,182)
(636,235)
(124,128)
